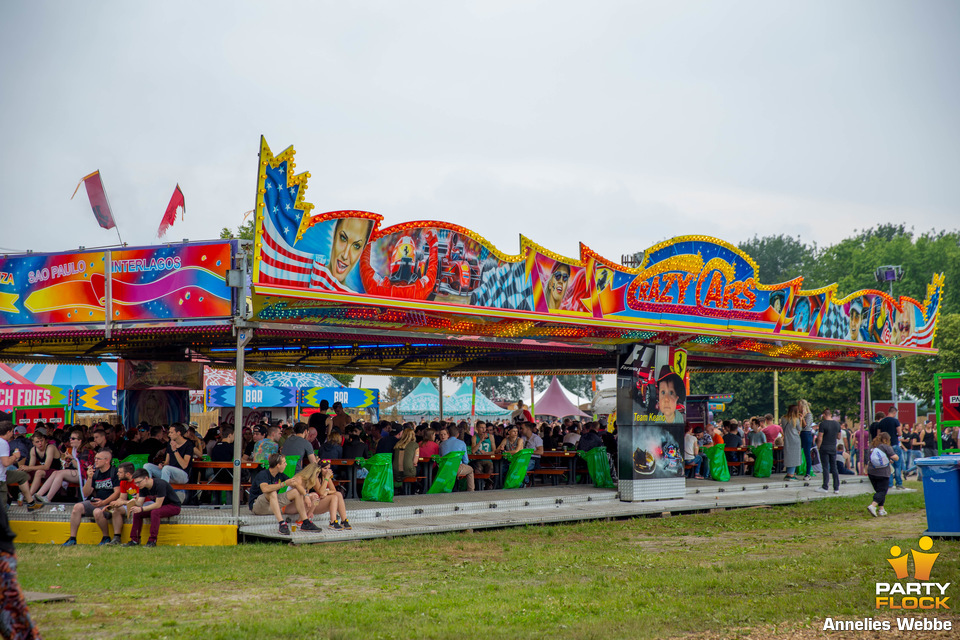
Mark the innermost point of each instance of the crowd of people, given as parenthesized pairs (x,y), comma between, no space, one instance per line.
(824,445)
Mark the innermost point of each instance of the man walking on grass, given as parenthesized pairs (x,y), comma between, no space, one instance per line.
(827,445)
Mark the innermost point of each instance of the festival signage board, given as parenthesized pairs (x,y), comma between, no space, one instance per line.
(150,374)
(23,395)
(947,389)
(172,282)
(223,396)
(651,410)
(693,283)
(177,281)
(52,288)
(906,410)
(95,398)
(349,398)
(51,415)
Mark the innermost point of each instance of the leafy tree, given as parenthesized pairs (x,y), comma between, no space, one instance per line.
(244,232)
(502,388)
(346,379)
(402,385)
(779,258)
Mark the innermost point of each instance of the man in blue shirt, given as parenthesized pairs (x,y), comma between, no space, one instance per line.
(454,443)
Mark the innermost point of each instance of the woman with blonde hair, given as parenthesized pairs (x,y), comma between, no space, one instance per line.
(331,500)
(791,425)
(806,435)
(405,454)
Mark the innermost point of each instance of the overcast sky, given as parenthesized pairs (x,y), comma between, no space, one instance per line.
(618,124)
(615,123)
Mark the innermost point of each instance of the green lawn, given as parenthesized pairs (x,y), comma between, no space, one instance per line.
(724,573)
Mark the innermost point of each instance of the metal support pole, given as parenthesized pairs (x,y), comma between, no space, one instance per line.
(863,416)
(776,396)
(532,405)
(893,367)
(441,397)
(243,337)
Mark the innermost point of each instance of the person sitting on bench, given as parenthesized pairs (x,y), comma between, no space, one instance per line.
(532,441)
(158,499)
(265,496)
(101,487)
(454,443)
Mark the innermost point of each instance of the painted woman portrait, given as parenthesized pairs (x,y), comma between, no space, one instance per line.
(556,287)
(350,236)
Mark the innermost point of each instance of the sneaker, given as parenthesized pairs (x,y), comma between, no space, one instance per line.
(284,529)
(105,541)
(821,490)
(336,526)
(872,509)
(33,506)
(43,499)
(836,492)
(308,525)
(132,543)
(882,511)
(151,543)
(115,542)
(70,543)
(899,487)
(346,524)
(806,477)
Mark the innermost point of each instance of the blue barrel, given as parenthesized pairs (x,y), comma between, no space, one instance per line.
(941,493)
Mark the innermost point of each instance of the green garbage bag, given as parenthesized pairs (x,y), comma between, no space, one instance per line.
(447,468)
(762,460)
(518,468)
(378,485)
(599,467)
(718,462)
(802,469)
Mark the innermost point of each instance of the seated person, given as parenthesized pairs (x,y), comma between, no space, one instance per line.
(319,479)
(454,443)
(265,496)
(355,446)
(157,498)
(332,448)
(732,439)
(297,445)
(101,487)
(12,474)
(117,510)
(44,458)
(405,455)
(691,455)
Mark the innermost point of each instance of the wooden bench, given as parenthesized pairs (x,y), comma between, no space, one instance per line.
(554,474)
(199,486)
(409,482)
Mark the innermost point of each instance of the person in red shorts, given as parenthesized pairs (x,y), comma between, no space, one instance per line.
(117,510)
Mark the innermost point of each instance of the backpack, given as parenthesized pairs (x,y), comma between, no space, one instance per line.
(878,459)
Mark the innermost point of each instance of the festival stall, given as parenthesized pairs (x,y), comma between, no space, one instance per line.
(554,403)
(259,402)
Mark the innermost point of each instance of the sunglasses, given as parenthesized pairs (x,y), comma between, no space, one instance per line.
(561,276)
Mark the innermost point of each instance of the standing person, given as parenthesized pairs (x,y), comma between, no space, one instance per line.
(15,621)
(771,430)
(928,443)
(878,470)
(806,435)
(915,450)
(8,459)
(827,436)
(521,414)
(165,503)
(298,445)
(875,425)
(890,425)
(861,442)
(340,419)
(792,425)
(101,487)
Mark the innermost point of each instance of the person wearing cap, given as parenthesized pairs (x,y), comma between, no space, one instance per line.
(856,317)
(268,444)
(8,459)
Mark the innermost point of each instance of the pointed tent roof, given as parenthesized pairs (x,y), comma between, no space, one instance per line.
(424,400)
(66,375)
(570,395)
(301,379)
(461,400)
(555,403)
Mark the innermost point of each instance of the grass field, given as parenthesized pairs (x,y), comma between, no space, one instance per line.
(774,572)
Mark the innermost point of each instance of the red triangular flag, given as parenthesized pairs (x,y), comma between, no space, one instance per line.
(98,199)
(170,215)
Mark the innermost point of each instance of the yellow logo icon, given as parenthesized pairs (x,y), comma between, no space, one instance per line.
(920,593)
(922,562)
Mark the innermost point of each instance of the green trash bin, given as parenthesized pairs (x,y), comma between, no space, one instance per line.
(518,468)
(136,459)
(448,466)
(762,460)
(719,470)
(598,464)
(378,485)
